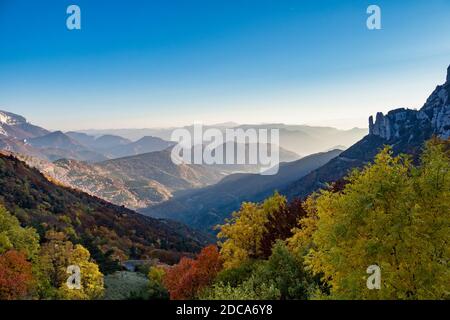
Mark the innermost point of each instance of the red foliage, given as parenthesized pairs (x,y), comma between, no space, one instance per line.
(15,276)
(186,279)
(280,225)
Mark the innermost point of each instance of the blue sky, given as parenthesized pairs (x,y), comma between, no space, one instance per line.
(172,62)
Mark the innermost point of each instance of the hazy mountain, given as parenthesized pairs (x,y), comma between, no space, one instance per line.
(209,206)
(99,225)
(301,139)
(144,145)
(101,143)
(134,182)
(404,129)
(158,166)
(57,145)
(56,139)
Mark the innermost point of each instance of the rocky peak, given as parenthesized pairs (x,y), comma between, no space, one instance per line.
(433,116)
(448,74)
(11,119)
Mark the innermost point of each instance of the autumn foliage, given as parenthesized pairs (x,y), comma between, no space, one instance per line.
(16,277)
(186,279)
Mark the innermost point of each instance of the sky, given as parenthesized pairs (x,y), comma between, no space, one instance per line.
(138,64)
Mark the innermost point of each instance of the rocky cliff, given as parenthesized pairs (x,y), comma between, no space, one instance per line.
(433,117)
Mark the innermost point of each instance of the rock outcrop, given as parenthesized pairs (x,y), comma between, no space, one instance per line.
(434,116)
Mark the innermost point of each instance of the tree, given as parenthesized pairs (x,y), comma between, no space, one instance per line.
(280,225)
(390,214)
(244,232)
(287,275)
(16,277)
(56,256)
(186,279)
(248,290)
(14,237)
(155,283)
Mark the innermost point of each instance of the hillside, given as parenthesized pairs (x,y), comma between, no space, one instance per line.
(204,208)
(134,182)
(110,232)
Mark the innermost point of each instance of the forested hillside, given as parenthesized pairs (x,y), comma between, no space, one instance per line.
(110,232)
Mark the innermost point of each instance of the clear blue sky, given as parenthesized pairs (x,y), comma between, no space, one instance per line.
(172,62)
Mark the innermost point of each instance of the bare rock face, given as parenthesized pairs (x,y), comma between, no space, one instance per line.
(433,116)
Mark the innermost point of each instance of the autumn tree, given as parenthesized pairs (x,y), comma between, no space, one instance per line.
(18,248)
(186,279)
(390,214)
(243,233)
(16,277)
(57,255)
(280,225)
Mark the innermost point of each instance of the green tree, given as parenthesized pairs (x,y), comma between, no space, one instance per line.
(390,214)
(156,288)
(14,237)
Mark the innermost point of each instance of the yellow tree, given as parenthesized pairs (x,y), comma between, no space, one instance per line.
(242,234)
(392,215)
(56,256)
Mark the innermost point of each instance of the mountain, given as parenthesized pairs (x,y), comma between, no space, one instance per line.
(135,182)
(300,139)
(207,207)
(158,166)
(305,140)
(56,139)
(110,232)
(57,145)
(144,145)
(113,146)
(405,130)
(17,127)
(101,143)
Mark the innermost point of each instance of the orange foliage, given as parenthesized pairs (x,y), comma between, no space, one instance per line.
(186,279)
(15,276)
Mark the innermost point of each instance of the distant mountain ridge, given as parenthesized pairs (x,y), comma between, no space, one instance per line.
(204,208)
(301,139)
(19,136)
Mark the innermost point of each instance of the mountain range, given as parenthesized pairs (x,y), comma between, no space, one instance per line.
(204,208)
(300,139)
(405,130)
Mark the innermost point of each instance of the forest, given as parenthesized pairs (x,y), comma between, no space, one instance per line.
(394,213)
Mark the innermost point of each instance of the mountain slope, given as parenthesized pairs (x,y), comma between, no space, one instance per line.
(404,129)
(111,232)
(144,145)
(57,145)
(135,182)
(15,126)
(204,208)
